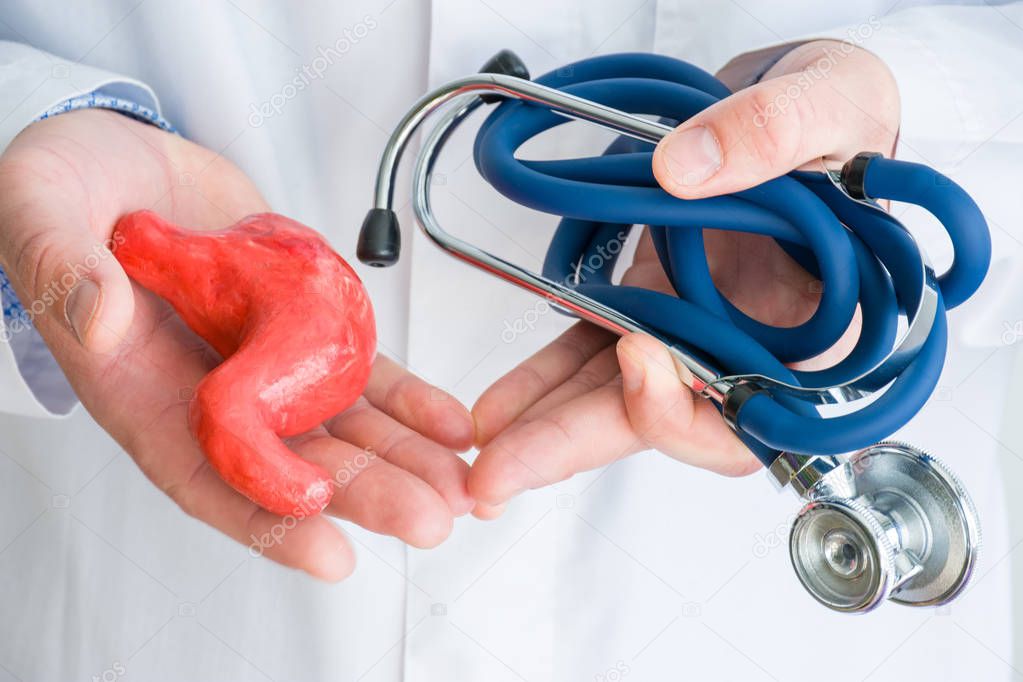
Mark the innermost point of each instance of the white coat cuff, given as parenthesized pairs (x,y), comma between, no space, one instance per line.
(32,83)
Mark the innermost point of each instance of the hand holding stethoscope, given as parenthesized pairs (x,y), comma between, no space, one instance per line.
(881,520)
(592,401)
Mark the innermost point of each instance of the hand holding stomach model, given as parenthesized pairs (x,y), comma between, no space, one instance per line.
(296,328)
(282,389)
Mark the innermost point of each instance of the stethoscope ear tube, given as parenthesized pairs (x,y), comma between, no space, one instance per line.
(870,176)
(780,428)
(958,213)
(379,244)
(836,229)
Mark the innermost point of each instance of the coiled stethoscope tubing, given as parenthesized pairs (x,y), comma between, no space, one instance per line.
(863,256)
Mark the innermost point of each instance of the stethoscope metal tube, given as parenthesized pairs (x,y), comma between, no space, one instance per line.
(696,375)
(380,238)
(464,94)
(887,522)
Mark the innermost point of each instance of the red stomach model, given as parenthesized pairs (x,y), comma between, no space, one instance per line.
(294,324)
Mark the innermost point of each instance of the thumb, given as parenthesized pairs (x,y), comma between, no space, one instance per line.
(668,417)
(763,132)
(70,284)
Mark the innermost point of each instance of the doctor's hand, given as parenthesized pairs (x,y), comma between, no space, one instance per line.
(64,182)
(590,398)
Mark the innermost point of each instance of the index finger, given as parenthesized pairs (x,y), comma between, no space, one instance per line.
(514,393)
(585,433)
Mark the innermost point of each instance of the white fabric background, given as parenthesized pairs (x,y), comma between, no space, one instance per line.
(647,569)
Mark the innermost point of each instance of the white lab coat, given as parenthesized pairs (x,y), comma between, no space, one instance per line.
(648,570)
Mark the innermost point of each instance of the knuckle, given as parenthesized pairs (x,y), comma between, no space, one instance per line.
(587,379)
(33,174)
(531,377)
(34,259)
(338,424)
(569,346)
(777,121)
(183,491)
(660,427)
(393,443)
(402,395)
(654,435)
(737,467)
(255,526)
(586,338)
(557,424)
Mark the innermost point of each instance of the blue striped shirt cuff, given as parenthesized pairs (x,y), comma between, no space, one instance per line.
(97,100)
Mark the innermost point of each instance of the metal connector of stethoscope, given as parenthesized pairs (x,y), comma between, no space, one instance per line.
(887,522)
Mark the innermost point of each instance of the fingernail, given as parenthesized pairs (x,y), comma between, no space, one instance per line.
(333,565)
(459,501)
(488,512)
(80,307)
(633,372)
(684,374)
(692,156)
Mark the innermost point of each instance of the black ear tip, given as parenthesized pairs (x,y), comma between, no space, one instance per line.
(854,174)
(504,63)
(380,236)
(379,239)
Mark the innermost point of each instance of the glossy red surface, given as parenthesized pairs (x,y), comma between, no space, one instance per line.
(295,325)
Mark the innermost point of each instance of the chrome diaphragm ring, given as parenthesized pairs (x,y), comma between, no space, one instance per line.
(940,527)
(842,555)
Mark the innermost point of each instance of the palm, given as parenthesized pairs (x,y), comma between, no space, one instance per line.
(563,410)
(392,451)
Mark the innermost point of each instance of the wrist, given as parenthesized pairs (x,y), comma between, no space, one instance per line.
(826,55)
(749,68)
(853,74)
(100,99)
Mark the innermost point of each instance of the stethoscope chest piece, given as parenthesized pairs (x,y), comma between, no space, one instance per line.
(891,522)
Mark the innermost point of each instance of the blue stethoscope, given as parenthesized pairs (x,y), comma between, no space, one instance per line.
(887,522)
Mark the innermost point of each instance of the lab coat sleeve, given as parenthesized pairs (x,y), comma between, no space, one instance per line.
(957,69)
(32,83)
